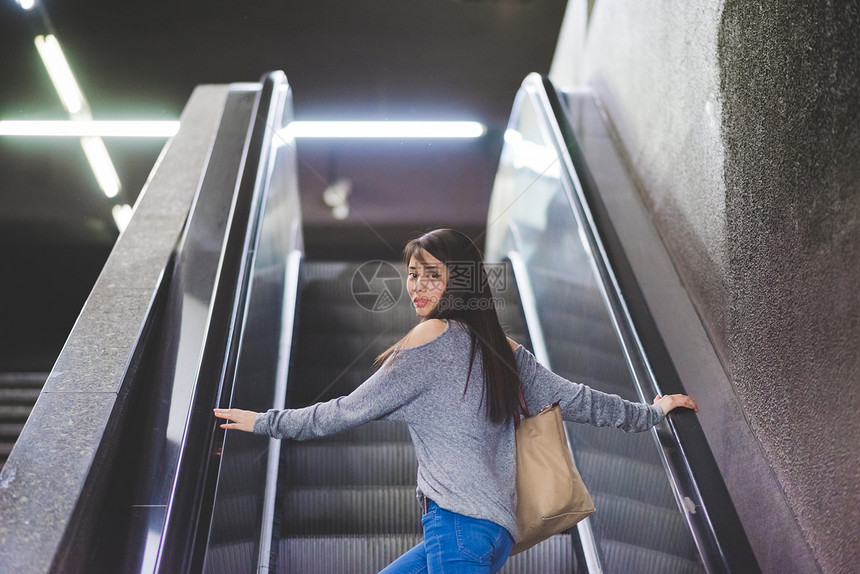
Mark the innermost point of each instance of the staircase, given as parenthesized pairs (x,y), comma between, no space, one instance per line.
(347,502)
(18,394)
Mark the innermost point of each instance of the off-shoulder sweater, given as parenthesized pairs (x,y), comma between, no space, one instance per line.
(466,464)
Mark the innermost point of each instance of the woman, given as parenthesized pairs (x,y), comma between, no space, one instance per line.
(455,379)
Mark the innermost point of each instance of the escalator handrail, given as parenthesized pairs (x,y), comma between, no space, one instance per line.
(188,516)
(694,475)
(292,282)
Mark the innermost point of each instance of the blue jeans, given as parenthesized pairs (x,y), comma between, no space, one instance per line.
(455,544)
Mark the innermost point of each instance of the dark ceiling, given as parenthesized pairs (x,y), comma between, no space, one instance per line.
(391,59)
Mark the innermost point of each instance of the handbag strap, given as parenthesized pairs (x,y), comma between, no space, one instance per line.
(524,409)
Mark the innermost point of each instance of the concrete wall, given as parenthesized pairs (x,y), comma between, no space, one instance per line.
(741,123)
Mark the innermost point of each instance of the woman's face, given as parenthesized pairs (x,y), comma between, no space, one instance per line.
(426,281)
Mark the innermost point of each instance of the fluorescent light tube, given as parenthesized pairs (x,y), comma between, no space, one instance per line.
(383,129)
(60,73)
(84,128)
(102,166)
(121,216)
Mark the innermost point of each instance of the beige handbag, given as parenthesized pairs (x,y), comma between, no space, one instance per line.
(551,496)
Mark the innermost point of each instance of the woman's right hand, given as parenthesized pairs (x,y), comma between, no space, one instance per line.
(244,420)
(669,402)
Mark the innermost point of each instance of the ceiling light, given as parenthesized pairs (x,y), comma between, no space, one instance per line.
(102,166)
(513,137)
(337,193)
(122,215)
(60,73)
(306,129)
(78,128)
(26,4)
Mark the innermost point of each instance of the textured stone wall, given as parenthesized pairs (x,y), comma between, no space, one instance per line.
(655,69)
(741,121)
(790,80)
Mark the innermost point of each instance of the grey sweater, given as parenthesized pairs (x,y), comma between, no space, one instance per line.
(465,463)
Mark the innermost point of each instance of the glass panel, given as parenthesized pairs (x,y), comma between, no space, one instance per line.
(637,526)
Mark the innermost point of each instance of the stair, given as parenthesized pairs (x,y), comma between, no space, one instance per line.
(18,394)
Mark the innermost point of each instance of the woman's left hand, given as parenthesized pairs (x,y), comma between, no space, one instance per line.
(244,420)
(669,402)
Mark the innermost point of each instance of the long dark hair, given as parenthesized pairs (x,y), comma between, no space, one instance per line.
(469,300)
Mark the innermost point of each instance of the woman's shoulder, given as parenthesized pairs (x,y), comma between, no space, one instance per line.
(423,333)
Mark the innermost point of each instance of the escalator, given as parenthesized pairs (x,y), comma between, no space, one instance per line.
(238,316)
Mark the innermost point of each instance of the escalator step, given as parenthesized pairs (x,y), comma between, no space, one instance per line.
(19,396)
(18,393)
(321,348)
(637,446)
(386,327)
(342,554)
(554,555)
(360,555)
(352,510)
(243,512)
(641,525)
(230,557)
(334,277)
(581,363)
(619,476)
(573,301)
(375,431)
(324,385)
(596,333)
(14,413)
(25,380)
(624,558)
(10,430)
(342,464)
(320,295)
(235,471)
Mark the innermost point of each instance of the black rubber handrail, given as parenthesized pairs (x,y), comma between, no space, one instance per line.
(187,530)
(693,471)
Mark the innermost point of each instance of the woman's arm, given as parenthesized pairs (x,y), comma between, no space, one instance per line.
(580,403)
(377,397)
(395,384)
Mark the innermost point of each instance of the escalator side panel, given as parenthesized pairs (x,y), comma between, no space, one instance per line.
(238,514)
(51,467)
(131,533)
(582,278)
